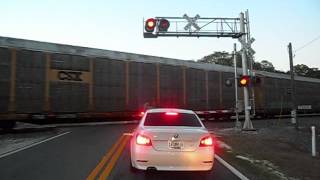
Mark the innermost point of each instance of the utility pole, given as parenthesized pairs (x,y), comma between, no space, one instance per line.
(238,123)
(247,123)
(293,90)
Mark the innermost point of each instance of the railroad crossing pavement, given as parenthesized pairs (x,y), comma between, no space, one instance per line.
(76,152)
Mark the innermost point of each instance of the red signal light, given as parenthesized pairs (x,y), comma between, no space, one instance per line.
(150,25)
(244,81)
(163,25)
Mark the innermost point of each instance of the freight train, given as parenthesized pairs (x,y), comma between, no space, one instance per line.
(40,80)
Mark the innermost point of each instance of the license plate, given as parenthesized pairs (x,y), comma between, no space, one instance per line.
(175,145)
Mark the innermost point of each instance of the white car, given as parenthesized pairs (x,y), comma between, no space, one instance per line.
(171,140)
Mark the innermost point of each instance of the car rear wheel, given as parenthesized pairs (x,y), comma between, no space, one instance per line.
(133,169)
(204,175)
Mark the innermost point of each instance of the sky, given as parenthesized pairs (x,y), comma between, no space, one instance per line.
(117,25)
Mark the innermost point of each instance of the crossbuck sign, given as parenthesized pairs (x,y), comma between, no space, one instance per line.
(191,22)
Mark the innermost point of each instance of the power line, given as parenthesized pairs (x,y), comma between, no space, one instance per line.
(307,44)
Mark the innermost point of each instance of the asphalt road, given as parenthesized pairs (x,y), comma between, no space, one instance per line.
(89,152)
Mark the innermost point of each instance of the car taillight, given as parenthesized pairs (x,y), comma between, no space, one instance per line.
(143,140)
(141,113)
(171,113)
(206,141)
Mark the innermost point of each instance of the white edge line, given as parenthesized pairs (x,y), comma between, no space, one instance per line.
(31,145)
(231,168)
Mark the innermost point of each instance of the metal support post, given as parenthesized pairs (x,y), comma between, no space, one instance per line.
(250,58)
(238,123)
(247,123)
(293,91)
(313,140)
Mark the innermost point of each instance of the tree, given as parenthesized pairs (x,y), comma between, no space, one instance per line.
(222,58)
(315,73)
(267,66)
(302,70)
(257,66)
(225,58)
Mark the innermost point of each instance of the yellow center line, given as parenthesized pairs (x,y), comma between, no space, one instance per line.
(127,134)
(114,159)
(105,158)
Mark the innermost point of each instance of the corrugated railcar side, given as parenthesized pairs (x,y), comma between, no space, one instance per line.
(51,79)
(273,96)
(45,83)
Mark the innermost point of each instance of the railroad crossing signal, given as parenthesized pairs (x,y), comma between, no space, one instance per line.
(191,22)
(228,82)
(244,81)
(150,25)
(247,45)
(161,24)
(196,26)
(211,27)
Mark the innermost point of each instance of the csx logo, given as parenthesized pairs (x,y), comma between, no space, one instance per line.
(69,76)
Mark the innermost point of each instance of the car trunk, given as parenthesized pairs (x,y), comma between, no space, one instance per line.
(175,138)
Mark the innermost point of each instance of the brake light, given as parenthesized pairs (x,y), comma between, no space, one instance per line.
(171,113)
(141,113)
(143,140)
(206,141)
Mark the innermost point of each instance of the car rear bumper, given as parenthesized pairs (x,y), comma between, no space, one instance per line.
(144,157)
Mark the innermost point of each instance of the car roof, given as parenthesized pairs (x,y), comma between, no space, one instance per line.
(156,110)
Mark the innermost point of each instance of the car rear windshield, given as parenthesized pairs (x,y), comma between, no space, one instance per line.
(176,119)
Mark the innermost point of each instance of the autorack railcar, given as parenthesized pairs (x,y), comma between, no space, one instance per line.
(44,80)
